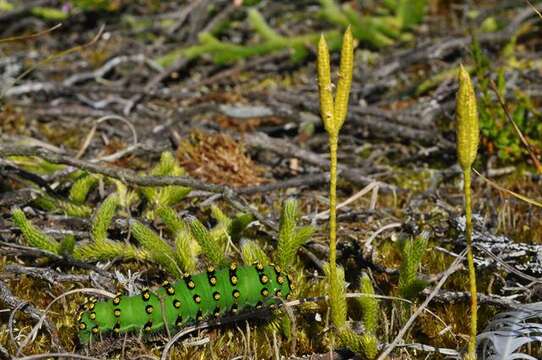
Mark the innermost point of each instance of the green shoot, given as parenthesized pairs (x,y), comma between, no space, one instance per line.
(33,235)
(291,237)
(333,113)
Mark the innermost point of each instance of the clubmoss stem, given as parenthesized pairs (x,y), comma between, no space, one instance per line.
(470,260)
(333,145)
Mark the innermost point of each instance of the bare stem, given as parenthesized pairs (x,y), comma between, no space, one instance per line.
(470,261)
(333,145)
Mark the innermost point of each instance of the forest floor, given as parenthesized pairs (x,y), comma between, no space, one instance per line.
(99,94)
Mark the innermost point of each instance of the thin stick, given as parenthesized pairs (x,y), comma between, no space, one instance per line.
(367,248)
(124,175)
(7,297)
(429,348)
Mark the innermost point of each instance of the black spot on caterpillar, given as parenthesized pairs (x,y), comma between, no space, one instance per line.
(212,293)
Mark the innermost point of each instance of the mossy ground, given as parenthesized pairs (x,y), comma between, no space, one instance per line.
(429,195)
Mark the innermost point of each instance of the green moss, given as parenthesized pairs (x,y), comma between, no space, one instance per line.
(415,180)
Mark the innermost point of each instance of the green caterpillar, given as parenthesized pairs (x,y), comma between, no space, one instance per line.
(193,298)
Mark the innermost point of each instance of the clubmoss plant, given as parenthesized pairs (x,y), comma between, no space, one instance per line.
(101,248)
(127,196)
(171,220)
(103,217)
(368,304)
(375,31)
(186,250)
(159,250)
(220,232)
(212,249)
(408,12)
(467,148)
(46,201)
(252,252)
(223,219)
(67,246)
(34,236)
(291,236)
(337,299)
(223,52)
(81,187)
(108,250)
(365,344)
(166,195)
(55,204)
(412,251)
(35,164)
(370,313)
(186,247)
(333,113)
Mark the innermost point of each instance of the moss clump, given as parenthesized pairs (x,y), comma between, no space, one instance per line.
(219,159)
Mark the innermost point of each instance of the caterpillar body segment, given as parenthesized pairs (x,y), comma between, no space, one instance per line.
(213,293)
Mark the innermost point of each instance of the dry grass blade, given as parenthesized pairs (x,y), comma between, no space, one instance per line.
(31,36)
(55,56)
(534,8)
(514,194)
(92,132)
(325,214)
